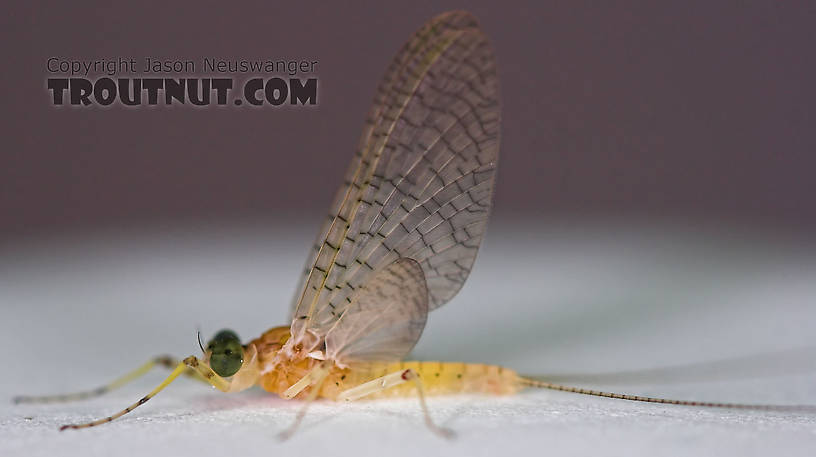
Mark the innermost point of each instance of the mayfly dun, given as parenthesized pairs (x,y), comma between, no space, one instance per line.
(400,240)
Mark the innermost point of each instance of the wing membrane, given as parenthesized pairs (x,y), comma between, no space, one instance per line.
(421,183)
(386,316)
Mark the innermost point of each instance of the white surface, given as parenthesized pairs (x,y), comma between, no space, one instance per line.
(578,297)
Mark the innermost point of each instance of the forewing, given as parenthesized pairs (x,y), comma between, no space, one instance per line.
(385,319)
(421,183)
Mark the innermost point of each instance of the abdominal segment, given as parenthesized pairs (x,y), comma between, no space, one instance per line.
(438,378)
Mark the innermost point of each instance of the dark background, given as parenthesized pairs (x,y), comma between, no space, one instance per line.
(698,111)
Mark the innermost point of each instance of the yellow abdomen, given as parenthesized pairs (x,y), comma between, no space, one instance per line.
(438,378)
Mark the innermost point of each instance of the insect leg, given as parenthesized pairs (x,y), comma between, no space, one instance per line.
(207,373)
(392,380)
(190,363)
(306,381)
(180,368)
(163,361)
(315,379)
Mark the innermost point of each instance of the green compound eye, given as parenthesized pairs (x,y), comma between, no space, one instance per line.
(227,354)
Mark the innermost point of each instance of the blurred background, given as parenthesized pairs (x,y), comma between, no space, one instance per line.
(693,112)
(654,209)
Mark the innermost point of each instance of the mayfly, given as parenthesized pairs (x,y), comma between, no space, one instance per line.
(400,240)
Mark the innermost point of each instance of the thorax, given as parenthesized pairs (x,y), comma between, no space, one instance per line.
(280,369)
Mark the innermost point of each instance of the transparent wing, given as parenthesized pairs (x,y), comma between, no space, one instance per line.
(421,183)
(385,318)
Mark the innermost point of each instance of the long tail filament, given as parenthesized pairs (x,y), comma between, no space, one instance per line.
(530,382)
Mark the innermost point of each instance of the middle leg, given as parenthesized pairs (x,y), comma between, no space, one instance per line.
(313,379)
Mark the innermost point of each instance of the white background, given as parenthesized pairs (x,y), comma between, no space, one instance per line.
(545,297)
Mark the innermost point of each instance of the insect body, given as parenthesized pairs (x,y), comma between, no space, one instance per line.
(437,377)
(400,240)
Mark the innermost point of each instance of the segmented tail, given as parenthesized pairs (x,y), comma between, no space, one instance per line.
(531,382)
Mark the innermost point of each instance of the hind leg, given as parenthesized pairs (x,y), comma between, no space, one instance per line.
(392,380)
